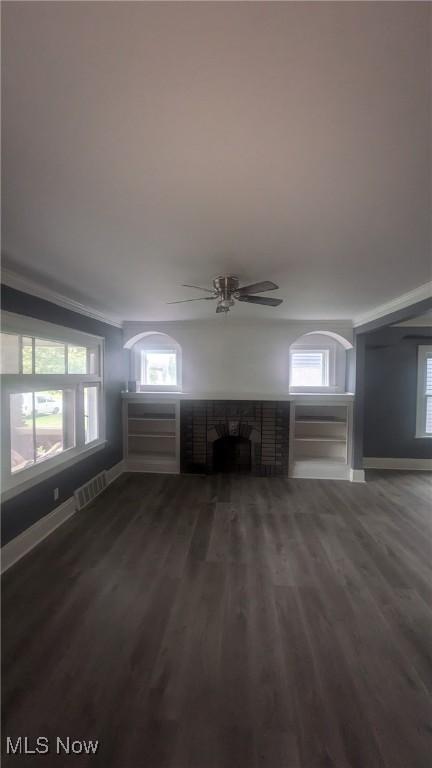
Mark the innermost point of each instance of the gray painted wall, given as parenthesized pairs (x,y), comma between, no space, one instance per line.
(28,507)
(390,394)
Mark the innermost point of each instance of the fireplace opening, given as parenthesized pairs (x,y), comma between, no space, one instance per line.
(232,454)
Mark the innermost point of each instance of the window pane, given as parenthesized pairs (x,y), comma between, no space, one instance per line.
(429,374)
(428,426)
(309,369)
(161,368)
(77,359)
(22,440)
(27,354)
(53,412)
(49,356)
(9,353)
(91,416)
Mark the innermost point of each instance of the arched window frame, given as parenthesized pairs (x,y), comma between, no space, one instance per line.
(153,341)
(335,348)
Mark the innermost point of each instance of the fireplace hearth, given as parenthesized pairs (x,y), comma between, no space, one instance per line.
(234,436)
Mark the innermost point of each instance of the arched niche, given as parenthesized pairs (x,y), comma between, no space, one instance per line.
(154,342)
(332,335)
(319,362)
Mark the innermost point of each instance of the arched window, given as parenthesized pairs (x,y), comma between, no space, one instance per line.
(155,362)
(318,362)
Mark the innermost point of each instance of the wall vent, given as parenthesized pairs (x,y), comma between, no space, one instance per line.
(90,490)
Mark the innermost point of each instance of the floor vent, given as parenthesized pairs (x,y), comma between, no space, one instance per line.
(90,490)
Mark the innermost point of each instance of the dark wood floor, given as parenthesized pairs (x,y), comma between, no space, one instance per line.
(229,622)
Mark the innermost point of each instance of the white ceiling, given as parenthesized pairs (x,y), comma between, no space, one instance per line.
(150,144)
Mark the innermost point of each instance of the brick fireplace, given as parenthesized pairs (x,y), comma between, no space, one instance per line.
(234,436)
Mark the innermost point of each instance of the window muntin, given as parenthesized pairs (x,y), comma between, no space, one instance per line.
(22,436)
(43,398)
(309,368)
(424,392)
(159,368)
(91,414)
(93,361)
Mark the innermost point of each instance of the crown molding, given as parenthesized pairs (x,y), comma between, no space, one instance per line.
(34,288)
(400,302)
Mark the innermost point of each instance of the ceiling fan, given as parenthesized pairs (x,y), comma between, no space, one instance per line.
(226,290)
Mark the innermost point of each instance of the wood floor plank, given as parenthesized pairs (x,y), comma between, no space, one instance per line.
(228,622)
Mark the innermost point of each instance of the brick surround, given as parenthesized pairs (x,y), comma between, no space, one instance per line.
(265,423)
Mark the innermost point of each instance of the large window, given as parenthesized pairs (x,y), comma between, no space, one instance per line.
(424,392)
(51,398)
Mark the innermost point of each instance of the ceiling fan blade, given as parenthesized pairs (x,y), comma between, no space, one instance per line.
(201,298)
(266,285)
(198,287)
(264,300)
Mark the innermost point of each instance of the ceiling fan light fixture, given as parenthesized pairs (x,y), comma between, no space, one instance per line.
(226,303)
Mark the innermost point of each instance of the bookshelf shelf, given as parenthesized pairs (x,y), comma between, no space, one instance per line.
(151,430)
(320,443)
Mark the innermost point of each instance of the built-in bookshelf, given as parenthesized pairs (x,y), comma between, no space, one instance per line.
(151,435)
(320,440)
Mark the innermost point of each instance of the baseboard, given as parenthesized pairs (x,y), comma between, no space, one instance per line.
(357,476)
(157,466)
(319,470)
(19,546)
(414,464)
(114,472)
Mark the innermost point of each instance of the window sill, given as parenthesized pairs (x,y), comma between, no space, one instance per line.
(316,391)
(158,388)
(423,437)
(24,481)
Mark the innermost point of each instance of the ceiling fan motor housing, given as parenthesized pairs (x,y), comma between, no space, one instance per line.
(226,285)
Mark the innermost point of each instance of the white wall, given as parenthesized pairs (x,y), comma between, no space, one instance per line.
(225,355)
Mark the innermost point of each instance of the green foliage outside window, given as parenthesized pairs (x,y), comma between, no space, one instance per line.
(51,359)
